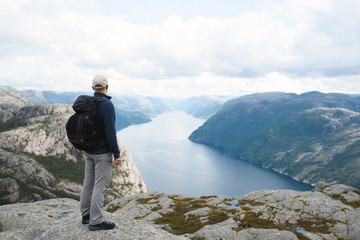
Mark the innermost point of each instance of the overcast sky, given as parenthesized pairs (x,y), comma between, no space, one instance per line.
(181,47)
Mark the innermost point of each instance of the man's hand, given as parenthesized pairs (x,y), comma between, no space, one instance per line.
(116,161)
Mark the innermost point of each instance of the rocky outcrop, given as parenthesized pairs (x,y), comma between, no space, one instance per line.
(38,162)
(329,212)
(11,99)
(61,219)
(10,102)
(43,132)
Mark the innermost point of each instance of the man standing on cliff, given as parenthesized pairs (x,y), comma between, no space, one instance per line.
(98,161)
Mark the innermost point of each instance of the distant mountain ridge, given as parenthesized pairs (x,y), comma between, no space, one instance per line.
(311,137)
(129,109)
(201,106)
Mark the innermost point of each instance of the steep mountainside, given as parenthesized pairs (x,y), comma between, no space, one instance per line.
(38,162)
(311,137)
(329,212)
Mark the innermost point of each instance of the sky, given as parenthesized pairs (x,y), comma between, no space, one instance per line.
(181,48)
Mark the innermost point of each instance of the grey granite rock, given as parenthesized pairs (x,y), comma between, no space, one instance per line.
(24,169)
(61,219)
(264,214)
(9,188)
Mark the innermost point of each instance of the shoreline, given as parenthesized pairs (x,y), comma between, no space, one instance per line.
(221,150)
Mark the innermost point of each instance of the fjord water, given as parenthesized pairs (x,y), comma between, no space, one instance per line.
(171,163)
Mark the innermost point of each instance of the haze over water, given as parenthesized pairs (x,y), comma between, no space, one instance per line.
(171,163)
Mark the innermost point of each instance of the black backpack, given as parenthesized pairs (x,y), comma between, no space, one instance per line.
(81,126)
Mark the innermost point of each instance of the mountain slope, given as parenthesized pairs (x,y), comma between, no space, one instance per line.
(311,137)
(201,106)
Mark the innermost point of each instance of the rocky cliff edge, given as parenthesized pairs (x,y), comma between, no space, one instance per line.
(38,162)
(328,212)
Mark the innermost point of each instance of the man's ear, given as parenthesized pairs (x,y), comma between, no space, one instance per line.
(93,88)
(107,87)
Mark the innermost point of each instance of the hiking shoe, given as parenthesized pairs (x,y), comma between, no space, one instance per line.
(85,219)
(102,226)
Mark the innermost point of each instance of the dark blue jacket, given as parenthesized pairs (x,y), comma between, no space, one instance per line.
(105,116)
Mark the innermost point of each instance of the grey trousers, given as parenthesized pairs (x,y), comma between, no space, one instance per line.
(97,180)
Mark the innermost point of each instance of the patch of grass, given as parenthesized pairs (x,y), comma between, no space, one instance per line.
(141,217)
(112,208)
(232,211)
(253,220)
(354,204)
(11,124)
(4,201)
(243,202)
(216,217)
(181,224)
(26,191)
(113,190)
(157,208)
(301,236)
(37,127)
(246,208)
(8,149)
(60,167)
(143,200)
(319,226)
(207,197)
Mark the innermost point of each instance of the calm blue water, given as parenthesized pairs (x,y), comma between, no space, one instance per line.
(171,163)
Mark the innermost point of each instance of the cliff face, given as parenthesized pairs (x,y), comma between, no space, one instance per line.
(329,212)
(10,102)
(38,161)
(311,137)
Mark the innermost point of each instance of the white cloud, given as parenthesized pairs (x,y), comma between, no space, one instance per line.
(292,46)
